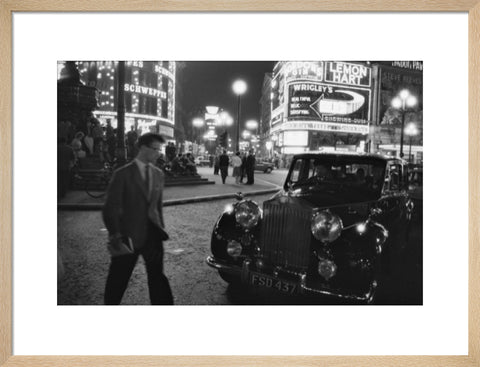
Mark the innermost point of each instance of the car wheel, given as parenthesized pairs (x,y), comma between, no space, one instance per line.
(229,278)
(268,170)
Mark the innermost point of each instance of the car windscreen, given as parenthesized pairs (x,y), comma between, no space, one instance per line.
(340,173)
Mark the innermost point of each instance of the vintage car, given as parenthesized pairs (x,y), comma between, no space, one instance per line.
(333,229)
(202,161)
(266,167)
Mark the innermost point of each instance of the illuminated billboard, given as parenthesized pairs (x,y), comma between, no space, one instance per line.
(149,92)
(328,103)
(333,92)
(295,138)
(348,74)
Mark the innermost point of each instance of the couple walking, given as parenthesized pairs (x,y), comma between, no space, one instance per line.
(241,166)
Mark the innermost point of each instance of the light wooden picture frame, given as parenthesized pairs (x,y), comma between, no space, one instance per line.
(9,7)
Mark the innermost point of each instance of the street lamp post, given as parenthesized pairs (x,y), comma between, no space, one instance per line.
(402,102)
(411,130)
(120,150)
(239,87)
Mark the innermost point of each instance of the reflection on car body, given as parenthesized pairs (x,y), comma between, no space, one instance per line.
(415,181)
(327,232)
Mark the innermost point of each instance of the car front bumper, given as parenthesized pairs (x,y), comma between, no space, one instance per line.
(303,286)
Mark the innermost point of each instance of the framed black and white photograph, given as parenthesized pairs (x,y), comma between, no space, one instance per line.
(192,184)
(310,186)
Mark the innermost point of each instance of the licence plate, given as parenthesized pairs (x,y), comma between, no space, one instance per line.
(266,281)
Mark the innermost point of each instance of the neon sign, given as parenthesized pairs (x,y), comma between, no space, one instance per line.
(348,74)
(145,90)
(304,70)
(163,71)
(324,126)
(328,103)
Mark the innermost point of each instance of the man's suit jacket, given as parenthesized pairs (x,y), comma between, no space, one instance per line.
(250,162)
(127,207)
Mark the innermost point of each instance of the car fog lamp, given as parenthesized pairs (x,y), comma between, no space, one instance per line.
(326,227)
(327,269)
(234,248)
(247,214)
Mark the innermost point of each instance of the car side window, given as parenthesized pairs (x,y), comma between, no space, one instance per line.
(297,171)
(393,179)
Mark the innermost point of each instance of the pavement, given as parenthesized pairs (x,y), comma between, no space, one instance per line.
(177,195)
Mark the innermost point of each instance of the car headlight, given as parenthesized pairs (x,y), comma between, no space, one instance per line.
(247,214)
(326,227)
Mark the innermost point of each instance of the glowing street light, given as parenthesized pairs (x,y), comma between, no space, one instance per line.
(401,102)
(226,119)
(251,125)
(198,122)
(239,87)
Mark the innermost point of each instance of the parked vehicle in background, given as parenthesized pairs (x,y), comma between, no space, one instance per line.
(266,167)
(202,161)
(339,223)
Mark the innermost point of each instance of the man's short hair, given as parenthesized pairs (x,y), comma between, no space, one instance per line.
(149,138)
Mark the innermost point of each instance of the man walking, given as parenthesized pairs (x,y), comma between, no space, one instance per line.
(250,166)
(133,215)
(223,164)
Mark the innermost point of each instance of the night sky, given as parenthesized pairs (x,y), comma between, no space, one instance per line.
(209,83)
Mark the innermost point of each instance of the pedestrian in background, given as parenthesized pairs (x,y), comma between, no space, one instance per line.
(237,167)
(250,167)
(77,145)
(216,164)
(243,167)
(170,151)
(97,134)
(134,219)
(223,165)
(88,141)
(111,140)
(132,137)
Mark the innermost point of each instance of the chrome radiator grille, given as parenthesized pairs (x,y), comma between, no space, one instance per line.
(285,237)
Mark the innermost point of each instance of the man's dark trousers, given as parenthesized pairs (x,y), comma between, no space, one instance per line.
(121,268)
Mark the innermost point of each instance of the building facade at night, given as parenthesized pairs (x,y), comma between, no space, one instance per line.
(149,94)
(336,105)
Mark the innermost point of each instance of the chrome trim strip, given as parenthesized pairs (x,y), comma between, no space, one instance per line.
(368,297)
(244,272)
